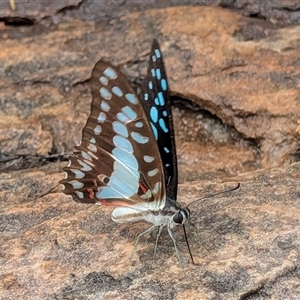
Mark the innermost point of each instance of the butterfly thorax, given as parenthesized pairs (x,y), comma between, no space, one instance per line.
(170,215)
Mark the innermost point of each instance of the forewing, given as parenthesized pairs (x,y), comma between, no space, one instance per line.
(156,102)
(118,161)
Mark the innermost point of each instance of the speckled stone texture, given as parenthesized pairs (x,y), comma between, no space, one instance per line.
(278,12)
(235,83)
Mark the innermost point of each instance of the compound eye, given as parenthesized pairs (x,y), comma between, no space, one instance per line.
(178,218)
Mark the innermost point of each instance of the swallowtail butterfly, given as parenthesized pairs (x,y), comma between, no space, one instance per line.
(127,156)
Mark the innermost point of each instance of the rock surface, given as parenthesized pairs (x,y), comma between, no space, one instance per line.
(243,72)
(245,244)
(240,77)
(279,12)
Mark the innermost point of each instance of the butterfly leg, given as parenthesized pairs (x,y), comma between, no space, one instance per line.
(161,227)
(174,242)
(138,237)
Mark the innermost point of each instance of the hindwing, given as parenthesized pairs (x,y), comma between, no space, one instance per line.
(156,101)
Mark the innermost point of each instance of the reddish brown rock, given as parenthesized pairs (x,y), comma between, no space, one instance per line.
(240,79)
(19,11)
(283,12)
(247,78)
(245,244)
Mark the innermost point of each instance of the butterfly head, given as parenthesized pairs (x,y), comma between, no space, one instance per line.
(182,216)
(177,213)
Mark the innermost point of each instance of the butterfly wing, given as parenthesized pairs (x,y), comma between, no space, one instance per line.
(156,102)
(118,161)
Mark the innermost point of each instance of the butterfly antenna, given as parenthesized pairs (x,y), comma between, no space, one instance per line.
(219,193)
(209,196)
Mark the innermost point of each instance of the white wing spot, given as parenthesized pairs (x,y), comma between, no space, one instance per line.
(76,184)
(78,173)
(152,172)
(105,93)
(157,187)
(92,155)
(97,130)
(139,138)
(85,167)
(148,158)
(85,155)
(79,194)
(103,80)
(105,106)
(102,117)
(110,73)
(92,147)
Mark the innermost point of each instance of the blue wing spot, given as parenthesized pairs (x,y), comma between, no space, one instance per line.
(131,179)
(117,91)
(165,113)
(139,124)
(124,186)
(152,172)
(131,98)
(97,130)
(162,125)
(120,128)
(163,84)
(85,167)
(79,194)
(122,143)
(76,184)
(110,73)
(78,174)
(92,140)
(153,58)
(126,158)
(122,117)
(106,193)
(156,101)
(154,114)
(103,80)
(158,74)
(150,85)
(161,98)
(105,93)
(122,181)
(139,138)
(166,150)
(157,53)
(153,72)
(154,130)
(102,117)
(167,165)
(129,112)
(105,106)
(86,156)
(146,96)
(148,158)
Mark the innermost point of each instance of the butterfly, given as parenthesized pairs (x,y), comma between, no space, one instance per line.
(127,156)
